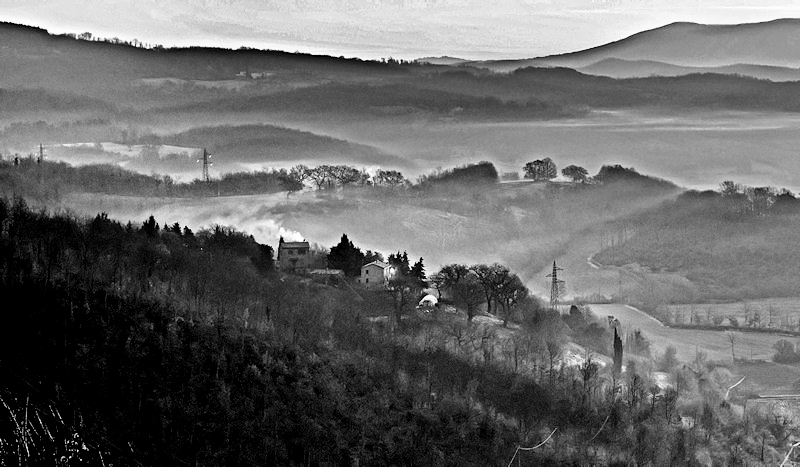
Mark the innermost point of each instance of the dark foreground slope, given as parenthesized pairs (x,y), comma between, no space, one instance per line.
(153,354)
(147,346)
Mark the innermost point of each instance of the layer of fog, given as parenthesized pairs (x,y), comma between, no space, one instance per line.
(525,226)
(694,150)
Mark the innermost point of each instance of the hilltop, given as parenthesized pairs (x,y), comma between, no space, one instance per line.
(32,57)
(690,44)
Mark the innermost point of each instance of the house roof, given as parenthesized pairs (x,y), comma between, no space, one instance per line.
(380,264)
(294,245)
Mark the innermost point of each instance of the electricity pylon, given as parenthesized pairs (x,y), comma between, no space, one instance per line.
(556,286)
(206,164)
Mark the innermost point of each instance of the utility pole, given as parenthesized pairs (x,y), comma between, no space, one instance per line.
(40,162)
(556,286)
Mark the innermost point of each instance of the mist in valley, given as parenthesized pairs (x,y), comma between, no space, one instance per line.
(524,224)
(156,120)
(180,184)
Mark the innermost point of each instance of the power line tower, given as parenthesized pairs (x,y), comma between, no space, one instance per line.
(556,286)
(206,164)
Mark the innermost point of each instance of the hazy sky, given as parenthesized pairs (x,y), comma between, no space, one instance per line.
(381,28)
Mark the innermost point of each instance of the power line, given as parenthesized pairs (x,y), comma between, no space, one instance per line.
(520,448)
(40,162)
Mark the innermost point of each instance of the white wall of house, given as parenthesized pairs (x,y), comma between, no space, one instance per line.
(373,276)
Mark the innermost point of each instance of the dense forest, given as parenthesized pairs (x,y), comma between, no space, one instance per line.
(152,344)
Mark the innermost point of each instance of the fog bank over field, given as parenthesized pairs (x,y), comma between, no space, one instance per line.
(524,225)
(696,130)
(694,150)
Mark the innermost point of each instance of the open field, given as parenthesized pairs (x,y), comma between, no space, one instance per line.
(762,376)
(687,342)
(767,378)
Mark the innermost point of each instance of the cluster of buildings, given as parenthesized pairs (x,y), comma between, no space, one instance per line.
(253,74)
(295,257)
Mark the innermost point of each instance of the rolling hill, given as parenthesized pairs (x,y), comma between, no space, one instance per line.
(58,90)
(31,57)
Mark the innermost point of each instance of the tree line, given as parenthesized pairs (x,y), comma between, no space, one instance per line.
(545,170)
(330,176)
(35,179)
(494,285)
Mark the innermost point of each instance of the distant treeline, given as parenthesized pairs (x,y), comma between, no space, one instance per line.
(39,100)
(572,89)
(546,170)
(330,176)
(89,37)
(386,100)
(30,134)
(49,180)
(230,144)
(479,173)
(629,176)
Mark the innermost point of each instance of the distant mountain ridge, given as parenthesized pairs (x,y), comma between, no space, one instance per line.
(774,45)
(622,69)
